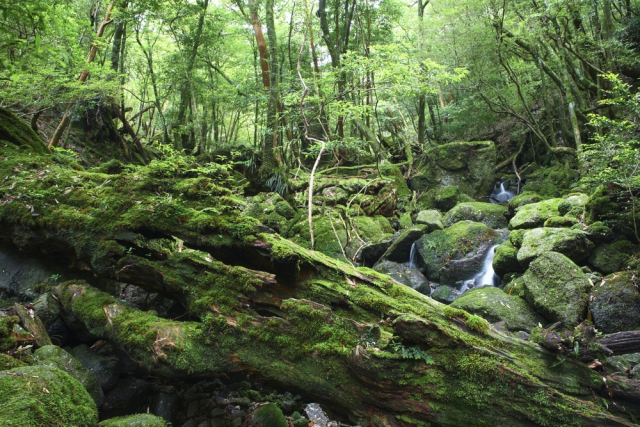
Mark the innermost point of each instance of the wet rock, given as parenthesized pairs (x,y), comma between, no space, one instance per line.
(128,396)
(373,250)
(556,288)
(138,420)
(24,401)
(268,415)
(316,415)
(490,214)
(573,205)
(20,273)
(468,165)
(54,356)
(442,199)
(455,253)
(535,214)
(571,243)
(105,368)
(615,303)
(496,306)
(431,218)
(164,405)
(612,257)
(560,221)
(505,259)
(524,198)
(400,249)
(402,273)
(444,294)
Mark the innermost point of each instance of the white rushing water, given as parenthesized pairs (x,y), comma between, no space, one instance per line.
(413,256)
(486,276)
(501,194)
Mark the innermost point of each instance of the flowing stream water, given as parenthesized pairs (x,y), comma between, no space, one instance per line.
(500,194)
(413,256)
(486,276)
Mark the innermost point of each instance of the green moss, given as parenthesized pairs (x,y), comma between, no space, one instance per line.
(138,420)
(56,357)
(35,396)
(268,415)
(7,339)
(7,362)
(476,323)
(487,213)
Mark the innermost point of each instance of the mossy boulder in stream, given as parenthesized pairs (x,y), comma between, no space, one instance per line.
(490,214)
(36,396)
(468,165)
(535,214)
(572,243)
(505,259)
(557,288)
(494,305)
(54,356)
(615,303)
(455,253)
(400,249)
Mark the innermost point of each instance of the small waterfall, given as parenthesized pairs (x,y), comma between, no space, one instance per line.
(501,194)
(413,256)
(486,276)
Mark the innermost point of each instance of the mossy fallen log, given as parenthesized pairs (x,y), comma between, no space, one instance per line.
(370,347)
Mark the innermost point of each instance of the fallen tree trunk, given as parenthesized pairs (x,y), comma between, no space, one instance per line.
(370,347)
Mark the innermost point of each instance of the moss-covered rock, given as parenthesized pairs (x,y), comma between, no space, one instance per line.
(516,237)
(138,420)
(268,415)
(556,288)
(615,303)
(611,257)
(36,396)
(549,182)
(468,165)
(400,249)
(597,232)
(401,273)
(56,357)
(443,199)
(525,198)
(444,294)
(571,243)
(455,253)
(495,305)
(431,218)
(535,214)
(560,221)
(7,362)
(284,209)
(515,287)
(573,205)
(490,214)
(505,259)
